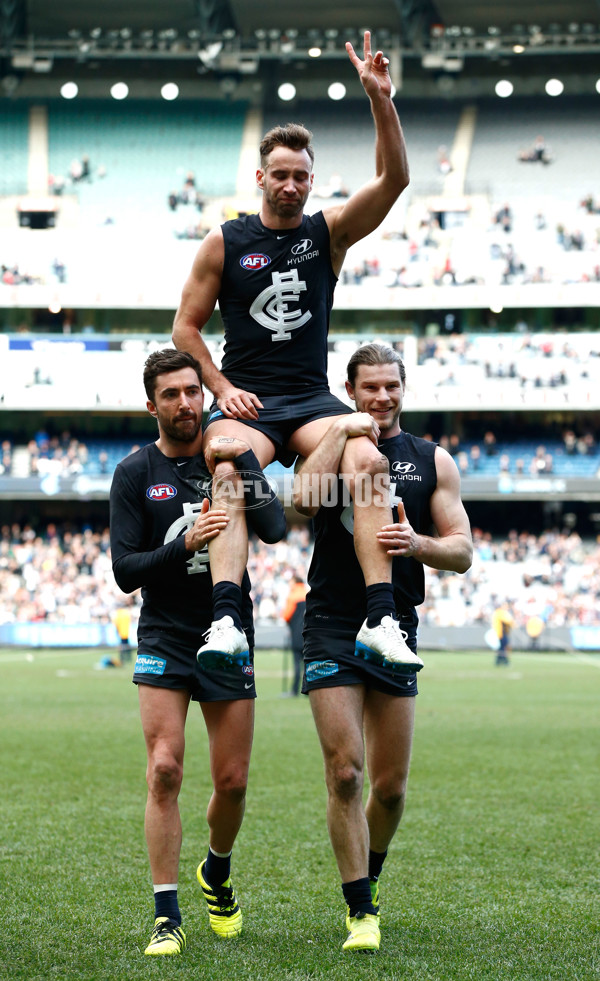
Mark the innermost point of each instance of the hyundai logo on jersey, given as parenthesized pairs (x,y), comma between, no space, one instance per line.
(302,246)
(254,260)
(403,467)
(161,492)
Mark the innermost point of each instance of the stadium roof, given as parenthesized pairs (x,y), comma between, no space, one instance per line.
(239,40)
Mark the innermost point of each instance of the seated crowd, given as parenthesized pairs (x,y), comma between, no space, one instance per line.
(486,453)
(64,575)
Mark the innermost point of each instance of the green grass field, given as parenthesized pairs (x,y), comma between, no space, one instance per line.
(493,875)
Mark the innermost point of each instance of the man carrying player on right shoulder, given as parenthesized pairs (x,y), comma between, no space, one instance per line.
(359,700)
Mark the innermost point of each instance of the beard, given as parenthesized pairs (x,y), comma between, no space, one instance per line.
(284,208)
(181,430)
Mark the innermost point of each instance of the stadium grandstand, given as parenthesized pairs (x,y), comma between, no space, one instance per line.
(485,276)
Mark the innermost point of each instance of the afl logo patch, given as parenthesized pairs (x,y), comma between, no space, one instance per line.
(302,246)
(254,260)
(403,467)
(248,669)
(161,492)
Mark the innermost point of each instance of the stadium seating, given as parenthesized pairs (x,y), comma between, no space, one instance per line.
(146,149)
(343,138)
(571,130)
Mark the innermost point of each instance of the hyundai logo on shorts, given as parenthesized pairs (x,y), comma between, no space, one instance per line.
(302,246)
(254,260)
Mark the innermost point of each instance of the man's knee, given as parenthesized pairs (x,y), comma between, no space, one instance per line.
(345,780)
(227,485)
(164,775)
(362,457)
(232,782)
(390,792)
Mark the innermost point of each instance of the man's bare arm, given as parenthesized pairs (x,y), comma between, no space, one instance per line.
(366,208)
(453,550)
(309,486)
(198,300)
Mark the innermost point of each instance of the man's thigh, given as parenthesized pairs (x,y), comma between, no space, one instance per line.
(389,725)
(305,439)
(260,443)
(230,728)
(338,714)
(163,712)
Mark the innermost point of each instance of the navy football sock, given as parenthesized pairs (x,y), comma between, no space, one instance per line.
(380,602)
(217,868)
(358,896)
(376,860)
(166,903)
(227,601)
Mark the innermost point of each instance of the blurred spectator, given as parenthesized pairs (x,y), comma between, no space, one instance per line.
(542,462)
(59,270)
(502,624)
(454,443)
(334,189)
(293,614)
(75,170)
(56,184)
(443,161)
(6,460)
(503,217)
(538,153)
(462,461)
(586,444)
(590,205)
(489,443)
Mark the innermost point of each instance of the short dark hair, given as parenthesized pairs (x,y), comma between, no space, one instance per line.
(161,362)
(295,136)
(371,354)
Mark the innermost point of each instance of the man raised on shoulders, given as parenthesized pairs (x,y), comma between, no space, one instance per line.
(273,275)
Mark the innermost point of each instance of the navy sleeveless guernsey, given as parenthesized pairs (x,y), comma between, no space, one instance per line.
(337,596)
(276,297)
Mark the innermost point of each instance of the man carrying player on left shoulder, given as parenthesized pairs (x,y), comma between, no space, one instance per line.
(161,524)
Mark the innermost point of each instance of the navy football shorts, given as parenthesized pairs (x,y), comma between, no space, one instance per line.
(166,663)
(330,661)
(282,415)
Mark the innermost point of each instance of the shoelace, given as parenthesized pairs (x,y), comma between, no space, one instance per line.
(164,929)
(224,896)
(215,631)
(395,628)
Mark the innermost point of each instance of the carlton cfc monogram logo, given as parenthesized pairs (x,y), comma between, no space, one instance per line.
(271,308)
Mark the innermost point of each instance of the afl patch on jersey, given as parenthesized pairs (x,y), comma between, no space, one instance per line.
(161,492)
(255,260)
